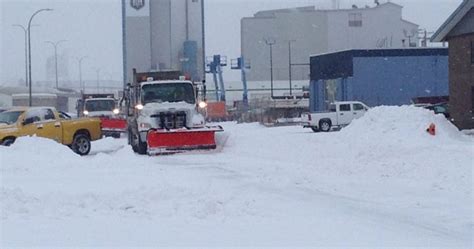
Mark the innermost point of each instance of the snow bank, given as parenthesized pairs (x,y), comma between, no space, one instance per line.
(392,141)
(107,145)
(405,124)
(382,181)
(36,153)
(40,146)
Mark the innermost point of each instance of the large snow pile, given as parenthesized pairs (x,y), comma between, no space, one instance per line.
(403,124)
(381,182)
(28,153)
(385,133)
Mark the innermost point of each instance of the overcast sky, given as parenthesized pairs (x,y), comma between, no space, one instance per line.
(92,28)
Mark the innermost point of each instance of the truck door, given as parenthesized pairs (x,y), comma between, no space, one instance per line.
(358,110)
(29,123)
(344,114)
(49,126)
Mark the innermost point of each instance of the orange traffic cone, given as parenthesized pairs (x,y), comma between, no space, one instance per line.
(432,129)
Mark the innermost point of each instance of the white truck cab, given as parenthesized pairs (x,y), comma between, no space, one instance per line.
(339,114)
(98,107)
(165,114)
(171,97)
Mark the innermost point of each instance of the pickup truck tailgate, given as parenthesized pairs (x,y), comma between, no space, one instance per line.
(306,119)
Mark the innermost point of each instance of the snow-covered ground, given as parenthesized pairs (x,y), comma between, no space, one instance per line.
(381,182)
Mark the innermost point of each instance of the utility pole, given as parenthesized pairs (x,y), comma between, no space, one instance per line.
(30,99)
(98,78)
(26,50)
(55,46)
(271,42)
(423,34)
(289,64)
(81,85)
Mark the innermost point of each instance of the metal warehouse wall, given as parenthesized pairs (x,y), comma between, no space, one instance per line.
(384,81)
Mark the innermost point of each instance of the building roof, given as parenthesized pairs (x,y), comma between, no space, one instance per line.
(443,32)
(10,90)
(271,13)
(35,95)
(391,52)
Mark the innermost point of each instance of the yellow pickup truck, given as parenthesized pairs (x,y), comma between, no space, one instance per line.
(49,123)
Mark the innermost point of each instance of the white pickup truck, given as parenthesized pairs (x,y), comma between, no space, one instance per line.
(339,114)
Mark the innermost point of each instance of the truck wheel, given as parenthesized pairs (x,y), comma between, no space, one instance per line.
(315,129)
(325,125)
(142,147)
(8,141)
(138,146)
(81,144)
(131,140)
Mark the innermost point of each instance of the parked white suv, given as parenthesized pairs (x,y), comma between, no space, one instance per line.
(339,114)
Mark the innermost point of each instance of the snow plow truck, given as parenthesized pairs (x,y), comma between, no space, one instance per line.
(165,114)
(103,106)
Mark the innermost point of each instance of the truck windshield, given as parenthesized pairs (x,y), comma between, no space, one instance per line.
(168,92)
(9,117)
(100,105)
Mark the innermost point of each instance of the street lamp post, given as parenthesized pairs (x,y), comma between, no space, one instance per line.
(30,99)
(81,85)
(98,78)
(289,64)
(271,42)
(26,51)
(55,45)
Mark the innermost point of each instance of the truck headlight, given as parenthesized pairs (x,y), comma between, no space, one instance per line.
(145,126)
(202,104)
(116,111)
(139,107)
(85,112)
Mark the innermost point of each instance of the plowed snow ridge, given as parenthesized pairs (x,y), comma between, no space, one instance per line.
(381,182)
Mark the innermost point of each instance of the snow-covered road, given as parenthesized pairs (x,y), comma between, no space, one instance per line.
(381,182)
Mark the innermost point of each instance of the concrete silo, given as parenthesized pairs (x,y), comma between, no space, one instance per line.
(163,35)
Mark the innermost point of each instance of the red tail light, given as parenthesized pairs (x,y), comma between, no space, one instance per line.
(309,117)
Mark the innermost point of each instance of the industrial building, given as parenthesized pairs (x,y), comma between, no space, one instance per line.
(378,76)
(164,35)
(458,30)
(294,34)
(62,99)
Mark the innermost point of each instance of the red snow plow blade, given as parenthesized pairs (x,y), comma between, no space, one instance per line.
(165,141)
(114,124)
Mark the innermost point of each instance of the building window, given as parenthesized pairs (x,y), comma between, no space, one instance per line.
(345,108)
(355,19)
(358,107)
